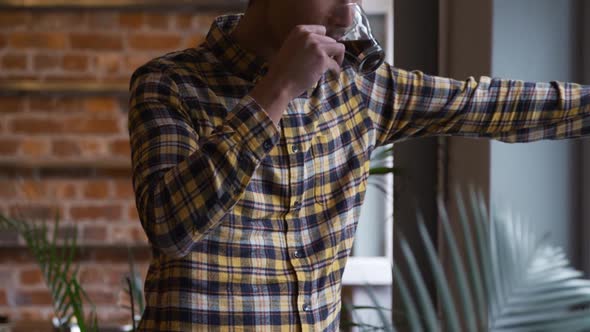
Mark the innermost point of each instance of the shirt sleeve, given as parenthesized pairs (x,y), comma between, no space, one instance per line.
(404,104)
(185,182)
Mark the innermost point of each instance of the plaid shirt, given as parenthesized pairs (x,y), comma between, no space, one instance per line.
(251,223)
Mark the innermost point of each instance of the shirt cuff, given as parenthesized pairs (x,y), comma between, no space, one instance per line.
(253,128)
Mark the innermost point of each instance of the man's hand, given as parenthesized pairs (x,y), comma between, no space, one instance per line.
(305,56)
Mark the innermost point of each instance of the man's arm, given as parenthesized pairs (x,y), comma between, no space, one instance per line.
(405,104)
(184,182)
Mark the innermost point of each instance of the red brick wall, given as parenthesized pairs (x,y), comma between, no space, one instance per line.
(71,152)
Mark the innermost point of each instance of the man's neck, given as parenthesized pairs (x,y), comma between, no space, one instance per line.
(253,36)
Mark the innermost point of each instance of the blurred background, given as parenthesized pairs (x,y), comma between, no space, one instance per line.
(64,73)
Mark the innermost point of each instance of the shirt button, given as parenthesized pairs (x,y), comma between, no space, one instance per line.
(307,307)
(297,254)
(295,148)
(267,145)
(241,159)
(296,204)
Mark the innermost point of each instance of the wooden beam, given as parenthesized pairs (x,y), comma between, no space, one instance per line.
(125,4)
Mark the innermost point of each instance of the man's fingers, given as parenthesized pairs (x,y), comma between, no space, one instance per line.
(325,39)
(317,29)
(334,67)
(332,48)
(335,51)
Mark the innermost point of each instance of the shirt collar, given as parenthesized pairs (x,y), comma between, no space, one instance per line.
(240,62)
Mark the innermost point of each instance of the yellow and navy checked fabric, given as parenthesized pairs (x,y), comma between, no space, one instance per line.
(251,223)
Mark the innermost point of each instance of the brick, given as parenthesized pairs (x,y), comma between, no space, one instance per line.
(46,62)
(33,189)
(134,61)
(131,20)
(183,21)
(108,63)
(119,317)
(120,148)
(93,148)
(92,276)
(53,20)
(12,104)
(64,190)
(96,42)
(31,277)
(92,126)
(9,238)
(132,212)
(38,317)
(194,40)
(70,104)
(14,62)
(3,298)
(103,20)
(147,42)
(101,105)
(102,297)
(157,21)
(9,146)
(128,234)
(14,19)
(203,22)
(34,147)
(67,232)
(56,104)
(94,233)
(8,189)
(39,40)
(42,103)
(117,255)
(75,62)
(107,212)
(8,274)
(3,41)
(123,189)
(34,212)
(98,189)
(65,148)
(32,297)
(35,126)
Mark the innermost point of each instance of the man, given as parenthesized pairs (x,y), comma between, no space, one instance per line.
(251,155)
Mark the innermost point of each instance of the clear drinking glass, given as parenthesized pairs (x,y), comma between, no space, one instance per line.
(362,49)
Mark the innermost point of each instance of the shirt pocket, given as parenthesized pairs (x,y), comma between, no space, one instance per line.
(340,161)
(330,166)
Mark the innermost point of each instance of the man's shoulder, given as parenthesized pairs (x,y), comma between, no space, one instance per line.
(188,64)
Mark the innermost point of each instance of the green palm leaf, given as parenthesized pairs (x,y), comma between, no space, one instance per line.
(510,280)
(55,261)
